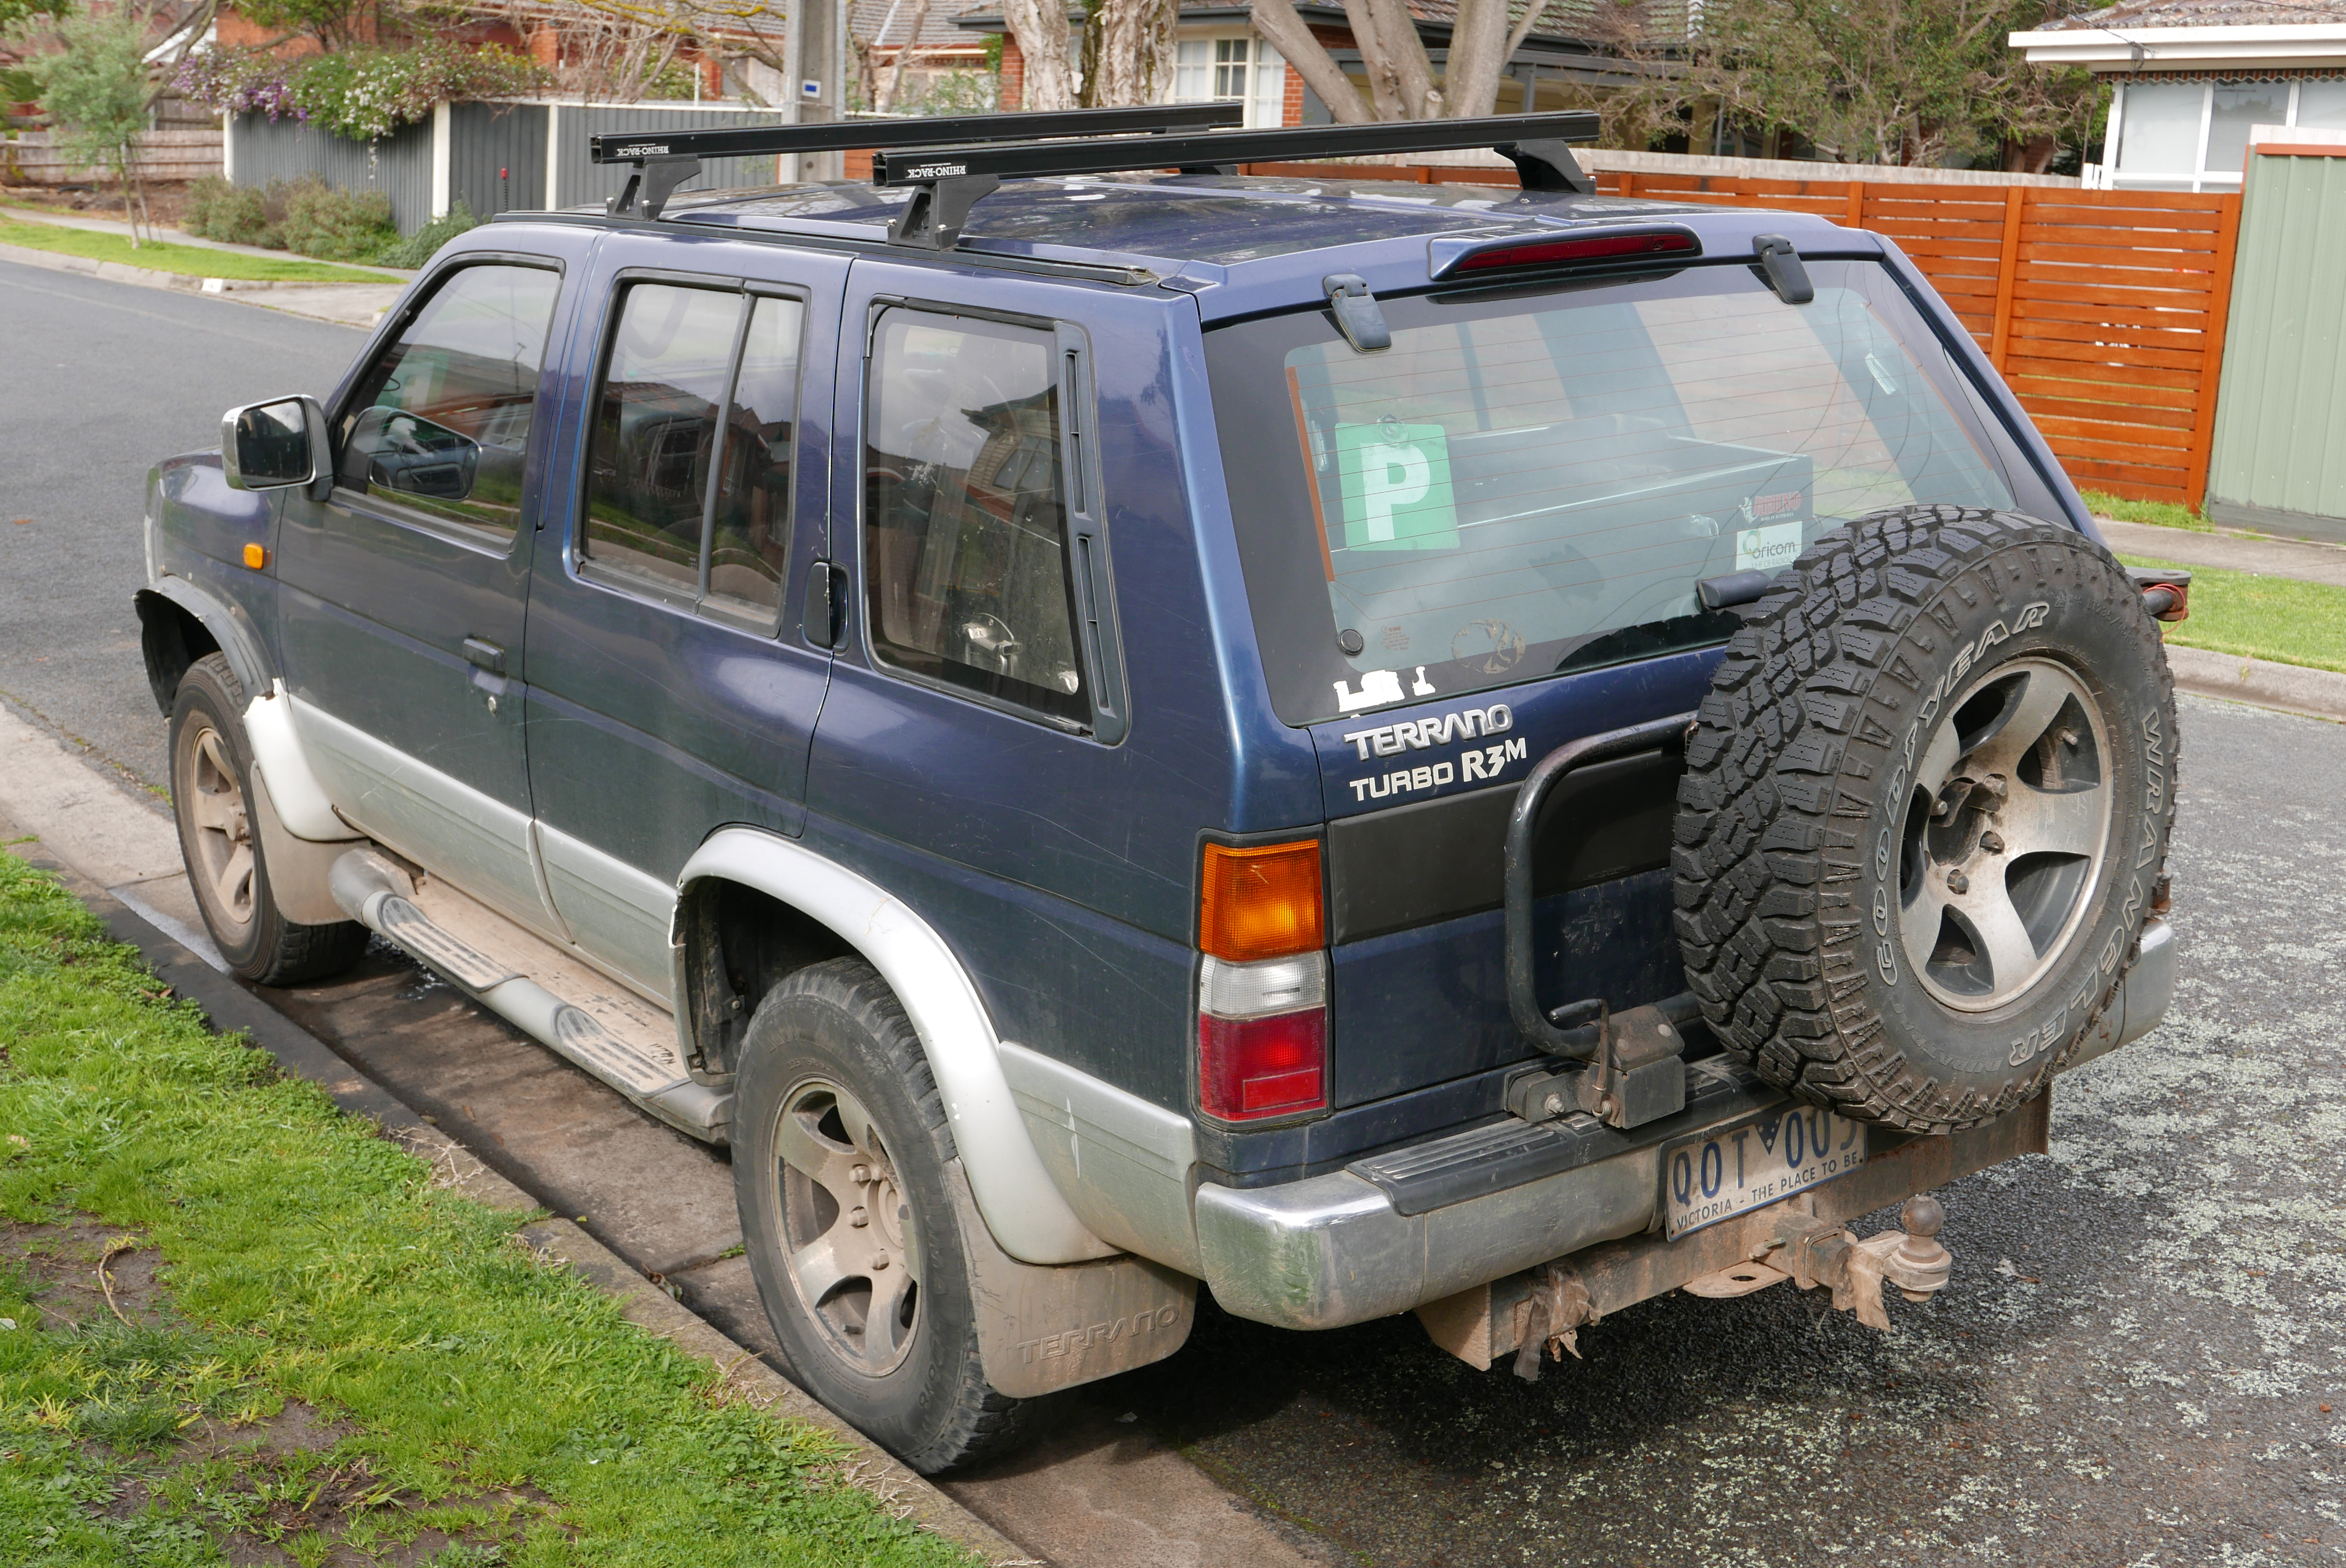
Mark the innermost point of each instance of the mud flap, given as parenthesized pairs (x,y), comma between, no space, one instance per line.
(1045,1328)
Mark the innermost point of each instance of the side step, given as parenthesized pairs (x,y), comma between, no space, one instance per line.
(535,987)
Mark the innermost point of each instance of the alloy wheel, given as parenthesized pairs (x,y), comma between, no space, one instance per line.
(223,824)
(854,1257)
(2006,834)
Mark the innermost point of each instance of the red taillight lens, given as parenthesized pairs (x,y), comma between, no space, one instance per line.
(1252,1067)
(1589,248)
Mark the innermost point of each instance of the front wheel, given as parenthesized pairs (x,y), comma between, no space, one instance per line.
(840,1157)
(211,798)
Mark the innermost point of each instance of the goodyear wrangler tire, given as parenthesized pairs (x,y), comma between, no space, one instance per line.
(1926,814)
(840,1156)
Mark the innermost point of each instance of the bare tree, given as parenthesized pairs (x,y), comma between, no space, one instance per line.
(888,87)
(1403,83)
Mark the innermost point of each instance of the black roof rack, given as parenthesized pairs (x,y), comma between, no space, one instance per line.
(946,181)
(665,159)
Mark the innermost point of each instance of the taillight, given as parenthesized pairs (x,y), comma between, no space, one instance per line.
(1262,985)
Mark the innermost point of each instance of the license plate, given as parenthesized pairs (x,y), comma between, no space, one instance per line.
(1718,1175)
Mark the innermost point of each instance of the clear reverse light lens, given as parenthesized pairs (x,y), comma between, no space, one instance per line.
(1257,989)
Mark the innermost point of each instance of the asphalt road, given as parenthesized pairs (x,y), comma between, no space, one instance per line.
(2131,1365)
(97,381)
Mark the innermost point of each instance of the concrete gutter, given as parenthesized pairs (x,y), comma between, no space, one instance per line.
(2292,688)
(87,837)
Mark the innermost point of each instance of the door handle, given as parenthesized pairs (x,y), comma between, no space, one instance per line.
(488,655)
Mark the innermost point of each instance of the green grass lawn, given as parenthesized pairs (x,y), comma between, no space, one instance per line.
(2160,513)
(193,261)
(2276,618)
(233,1320)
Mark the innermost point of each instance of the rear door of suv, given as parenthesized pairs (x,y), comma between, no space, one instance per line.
(673,689)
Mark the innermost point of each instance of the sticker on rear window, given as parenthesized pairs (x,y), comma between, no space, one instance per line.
(1768,549)
(1397,492)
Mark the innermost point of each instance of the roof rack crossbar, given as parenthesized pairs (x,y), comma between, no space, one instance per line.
(665,159)
(1534,136)
(947,179)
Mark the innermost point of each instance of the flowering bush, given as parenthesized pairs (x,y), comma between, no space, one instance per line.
(361,94)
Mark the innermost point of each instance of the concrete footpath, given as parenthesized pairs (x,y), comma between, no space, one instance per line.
(2293,688)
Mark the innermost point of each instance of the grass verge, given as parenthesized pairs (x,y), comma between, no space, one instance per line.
(2256,616)
(236,1325)
(2158,514)
(191,260)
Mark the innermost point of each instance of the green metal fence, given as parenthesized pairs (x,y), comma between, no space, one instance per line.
(2280,458)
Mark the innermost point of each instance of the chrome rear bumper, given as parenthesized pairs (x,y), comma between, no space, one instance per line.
(1333,1249)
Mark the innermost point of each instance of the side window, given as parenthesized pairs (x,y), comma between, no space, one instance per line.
(688,474)
(441,423)
(966,511)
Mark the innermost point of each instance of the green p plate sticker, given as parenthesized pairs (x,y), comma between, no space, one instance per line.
(1397,487)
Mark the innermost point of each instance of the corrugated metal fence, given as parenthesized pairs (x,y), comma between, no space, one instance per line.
(2105,310)
(261,151)
(2280,437)
(493,157)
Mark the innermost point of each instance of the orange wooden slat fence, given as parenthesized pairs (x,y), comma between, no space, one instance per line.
(2104,308)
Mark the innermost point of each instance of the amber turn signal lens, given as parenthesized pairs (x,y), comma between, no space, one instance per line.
(1260,904)
(256,556)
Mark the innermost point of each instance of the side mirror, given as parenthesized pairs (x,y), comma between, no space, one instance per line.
(274,445)
(408,455)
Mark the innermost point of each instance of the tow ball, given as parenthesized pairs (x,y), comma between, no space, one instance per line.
(1813,1252)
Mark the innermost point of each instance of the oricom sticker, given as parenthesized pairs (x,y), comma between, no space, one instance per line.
(1768,549)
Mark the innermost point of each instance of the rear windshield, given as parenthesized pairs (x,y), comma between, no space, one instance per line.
(1532,482)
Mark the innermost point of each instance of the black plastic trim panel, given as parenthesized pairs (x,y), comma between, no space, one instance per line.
(1507,1153)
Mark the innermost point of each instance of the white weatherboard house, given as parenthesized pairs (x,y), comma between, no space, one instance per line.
(2195,78)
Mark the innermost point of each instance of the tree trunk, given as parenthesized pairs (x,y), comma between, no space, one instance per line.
(1478,54)
(1041,28)
(1277,20)
(1128,52)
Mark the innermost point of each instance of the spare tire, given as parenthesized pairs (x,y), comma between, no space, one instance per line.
(1926,814)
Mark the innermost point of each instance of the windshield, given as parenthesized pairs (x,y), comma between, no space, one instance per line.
(1530,482)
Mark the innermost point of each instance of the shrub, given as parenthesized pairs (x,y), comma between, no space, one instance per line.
(216,209)
(420,247)
(332,225)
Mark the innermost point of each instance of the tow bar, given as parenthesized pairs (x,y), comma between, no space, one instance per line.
(1811,1252)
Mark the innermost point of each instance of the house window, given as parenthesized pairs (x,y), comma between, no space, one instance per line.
(1233,70)
(2194,135)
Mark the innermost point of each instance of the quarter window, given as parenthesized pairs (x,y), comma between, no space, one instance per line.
(441,423)
(688,474)
(966,511)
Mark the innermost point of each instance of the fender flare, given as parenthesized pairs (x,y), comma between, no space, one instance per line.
(239,642)
(1020,1203)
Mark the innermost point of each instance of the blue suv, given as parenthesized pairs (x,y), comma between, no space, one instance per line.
(1383,747)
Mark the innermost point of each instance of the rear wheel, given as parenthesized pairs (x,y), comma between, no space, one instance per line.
(211,797)
(1926,814)
(840,1157)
